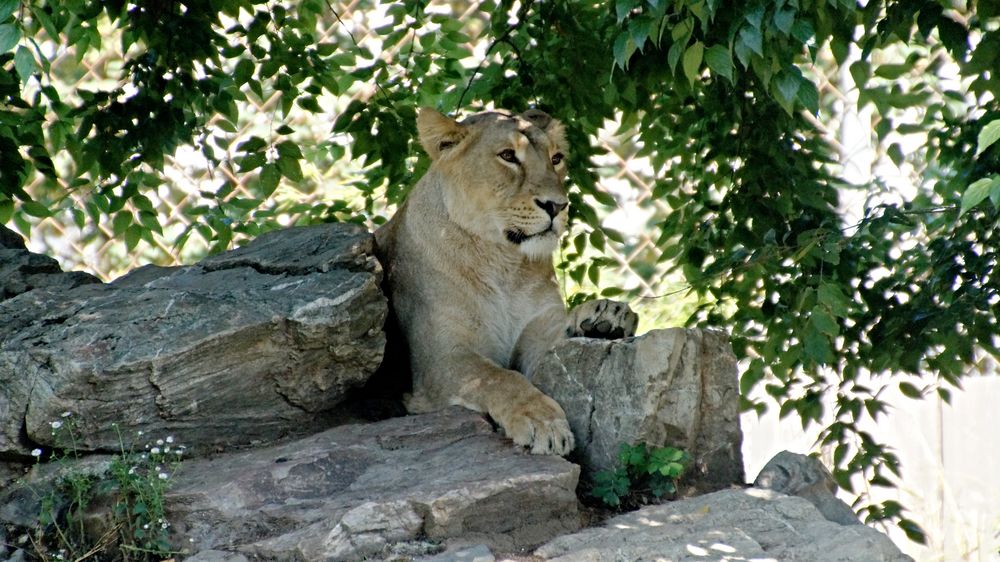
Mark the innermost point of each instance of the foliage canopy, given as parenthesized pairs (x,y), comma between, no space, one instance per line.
(730,102)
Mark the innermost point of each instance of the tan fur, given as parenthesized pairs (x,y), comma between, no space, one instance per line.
(468,260)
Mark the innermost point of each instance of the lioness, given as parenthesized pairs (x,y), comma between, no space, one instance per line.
(468,260)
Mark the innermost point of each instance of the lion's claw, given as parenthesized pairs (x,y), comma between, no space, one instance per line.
(540,426)
(604,319)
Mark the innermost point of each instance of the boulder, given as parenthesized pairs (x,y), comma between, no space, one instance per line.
(806,477)
(22,271)
(734,524)
(247,346)
(675,387)
(358,491)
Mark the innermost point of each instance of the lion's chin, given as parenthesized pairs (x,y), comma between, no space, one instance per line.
(540,246)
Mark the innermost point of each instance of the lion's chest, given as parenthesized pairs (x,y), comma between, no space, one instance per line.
(503,317)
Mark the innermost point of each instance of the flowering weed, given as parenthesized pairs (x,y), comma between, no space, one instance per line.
(114,514)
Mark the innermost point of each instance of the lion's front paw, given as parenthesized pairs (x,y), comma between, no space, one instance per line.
(538,424)
(602,318)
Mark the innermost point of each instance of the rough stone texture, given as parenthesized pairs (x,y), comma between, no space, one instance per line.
(478,553)
(355,490)
(22,271)
(10,239)
(672,387)
(727,525)
(806,477)
(249,345)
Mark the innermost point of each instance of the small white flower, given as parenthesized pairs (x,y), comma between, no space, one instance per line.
(36,453)
(146,526)
(139,433)
(164,525)
(155,451)
(67,414)
(131,470)
(170,439)
(164,476)
(56,424)
(159,442)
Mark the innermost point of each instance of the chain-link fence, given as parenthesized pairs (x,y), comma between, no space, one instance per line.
(192,190)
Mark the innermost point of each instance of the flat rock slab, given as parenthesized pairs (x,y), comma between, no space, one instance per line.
(249,345)
(354,491)
(748,524)
(672,387)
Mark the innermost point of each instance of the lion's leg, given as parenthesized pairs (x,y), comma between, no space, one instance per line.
(526,415)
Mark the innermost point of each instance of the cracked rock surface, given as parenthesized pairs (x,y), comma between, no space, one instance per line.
(751,524)
(363,491)
(248,345)
(675,387)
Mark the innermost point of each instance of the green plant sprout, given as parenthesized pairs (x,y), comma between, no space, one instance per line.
(642,472)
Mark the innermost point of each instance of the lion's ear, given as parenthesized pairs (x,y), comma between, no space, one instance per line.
(437,132)
(552,127)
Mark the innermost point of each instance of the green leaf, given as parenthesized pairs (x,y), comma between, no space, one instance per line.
(978,191)
(7,8)
(909,390)
(36,209)
(913,531)
(121,223)
(861,71)
(748,42)
(720,61)
(9,36)
(892,71)
(808,95)
(787,84)
(253,144)
(24,63)
(623,49)
(831,295)
(783,20)
(132,236)
(691,61)
(252,161)
(269,178)
(290,168)
(895,152)
(988,135)
(817,346)
(243,71)
(824,321)
(6,210)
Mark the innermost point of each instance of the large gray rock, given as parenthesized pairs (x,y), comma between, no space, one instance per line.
(671,387)
(22,271)
(249,345)
(748,524)
(355,491)
(806,477)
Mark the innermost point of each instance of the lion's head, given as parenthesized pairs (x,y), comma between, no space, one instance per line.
(502,175)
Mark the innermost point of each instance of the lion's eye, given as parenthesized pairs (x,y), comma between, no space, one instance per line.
(508,155)
(557,158)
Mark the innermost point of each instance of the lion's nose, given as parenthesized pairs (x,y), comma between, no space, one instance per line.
(551,207)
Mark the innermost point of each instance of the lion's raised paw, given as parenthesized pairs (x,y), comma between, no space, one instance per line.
(604,319)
